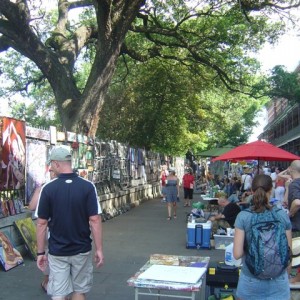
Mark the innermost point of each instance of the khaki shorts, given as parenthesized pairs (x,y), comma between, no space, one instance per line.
(70,274)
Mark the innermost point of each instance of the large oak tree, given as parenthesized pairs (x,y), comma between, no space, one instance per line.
(212,38)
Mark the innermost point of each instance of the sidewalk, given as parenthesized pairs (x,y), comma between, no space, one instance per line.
(129,240)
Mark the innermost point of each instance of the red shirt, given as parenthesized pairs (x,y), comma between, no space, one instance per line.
(280,182)
(163,179)
(188,179)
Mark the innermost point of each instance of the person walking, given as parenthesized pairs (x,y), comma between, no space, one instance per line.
(69,206)
(250,286)
(172,194)
(163,177)
(32,206)
(188,181)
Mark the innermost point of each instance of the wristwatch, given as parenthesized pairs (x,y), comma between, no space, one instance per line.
(40,253)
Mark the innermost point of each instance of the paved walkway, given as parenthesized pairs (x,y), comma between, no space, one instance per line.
(129,240)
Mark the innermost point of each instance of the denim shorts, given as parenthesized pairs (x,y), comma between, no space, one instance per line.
(250,288)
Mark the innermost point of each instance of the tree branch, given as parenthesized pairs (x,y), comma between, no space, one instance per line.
(34,81)
(258,5)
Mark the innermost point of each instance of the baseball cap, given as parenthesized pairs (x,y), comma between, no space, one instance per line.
(60,154)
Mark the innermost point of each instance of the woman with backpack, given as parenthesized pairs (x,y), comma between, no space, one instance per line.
(263,239)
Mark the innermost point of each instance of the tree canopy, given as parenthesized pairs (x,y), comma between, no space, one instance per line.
(78,57)
(162,106)
(284,84)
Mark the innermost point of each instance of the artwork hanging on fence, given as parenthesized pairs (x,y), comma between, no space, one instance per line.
(82,151)
(10,257)
(27,229)
(13,154)
(83,173)
(37,169)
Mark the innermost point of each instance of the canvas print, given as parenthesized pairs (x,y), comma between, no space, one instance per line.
(12,154)
(27,229)
(3,208)
(19,207)
(10,257)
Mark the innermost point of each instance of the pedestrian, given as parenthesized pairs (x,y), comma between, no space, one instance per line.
(163,177)
(280,186)
(32,206)
(274,172)
(172,194)
(294,204)
(69,206)
(188,181)
(250,286)
(246,180)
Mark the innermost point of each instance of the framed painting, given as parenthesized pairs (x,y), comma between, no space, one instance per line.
(10,257)
(27,230)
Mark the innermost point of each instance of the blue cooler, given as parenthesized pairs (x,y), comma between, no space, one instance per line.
(198,235)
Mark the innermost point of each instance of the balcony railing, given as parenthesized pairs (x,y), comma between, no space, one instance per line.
(289,136)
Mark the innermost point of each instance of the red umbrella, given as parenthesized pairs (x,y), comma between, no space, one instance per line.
(257,150)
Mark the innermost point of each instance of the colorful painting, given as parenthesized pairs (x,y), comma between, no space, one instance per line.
(10,257)
(27,229)
(13,154)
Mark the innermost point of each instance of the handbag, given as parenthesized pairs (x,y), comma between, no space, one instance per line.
(243,185)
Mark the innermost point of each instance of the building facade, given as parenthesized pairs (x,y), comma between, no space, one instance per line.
(283,127)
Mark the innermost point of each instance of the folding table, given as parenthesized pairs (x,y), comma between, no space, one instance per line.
(170,289)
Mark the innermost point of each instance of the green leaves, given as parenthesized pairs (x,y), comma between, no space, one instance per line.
(185,69)
(166,107)
(283,84)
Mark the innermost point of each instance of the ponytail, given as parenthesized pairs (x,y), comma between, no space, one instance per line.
(260,200)
(261,185)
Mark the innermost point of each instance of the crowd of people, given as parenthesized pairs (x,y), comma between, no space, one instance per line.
(257,194)
(244,199)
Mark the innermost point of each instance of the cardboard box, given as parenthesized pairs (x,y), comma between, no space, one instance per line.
(222,241)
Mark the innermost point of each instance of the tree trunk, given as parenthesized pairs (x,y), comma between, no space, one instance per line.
(56,58)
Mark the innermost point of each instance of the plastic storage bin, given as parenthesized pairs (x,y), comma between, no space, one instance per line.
(222,241)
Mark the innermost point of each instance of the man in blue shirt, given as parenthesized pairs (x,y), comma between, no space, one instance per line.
(69,206)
